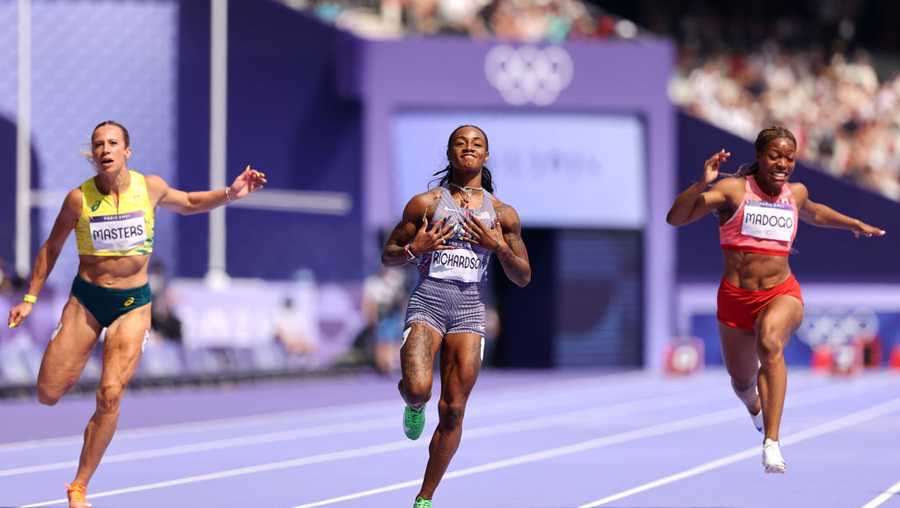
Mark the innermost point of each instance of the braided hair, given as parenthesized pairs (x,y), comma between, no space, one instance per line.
(446,174)
(765,137)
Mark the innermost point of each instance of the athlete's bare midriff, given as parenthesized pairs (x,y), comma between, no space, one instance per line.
(120,272)
(753,271)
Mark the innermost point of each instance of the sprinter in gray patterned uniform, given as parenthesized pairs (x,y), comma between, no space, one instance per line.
(450,232)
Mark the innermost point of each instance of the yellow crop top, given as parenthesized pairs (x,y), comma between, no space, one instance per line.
(105,230)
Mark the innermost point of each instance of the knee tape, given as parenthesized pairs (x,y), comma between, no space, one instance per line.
(748,395)
(405,336)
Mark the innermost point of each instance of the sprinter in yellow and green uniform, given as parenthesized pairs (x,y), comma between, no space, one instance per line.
(112,214)
(110,228)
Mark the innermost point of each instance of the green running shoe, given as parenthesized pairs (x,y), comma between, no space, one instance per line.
(413,423)
(422,503)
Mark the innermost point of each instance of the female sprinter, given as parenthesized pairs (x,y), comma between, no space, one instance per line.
(451,232)
(759,301)
(112,215)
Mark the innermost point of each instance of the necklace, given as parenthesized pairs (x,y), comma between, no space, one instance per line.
(467,191)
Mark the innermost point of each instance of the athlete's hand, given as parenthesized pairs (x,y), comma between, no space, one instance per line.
(18,314)
(863,229)
(711,166)
(431,237)
(489,238)
(250,180)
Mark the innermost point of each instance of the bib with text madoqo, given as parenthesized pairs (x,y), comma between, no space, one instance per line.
(771,221)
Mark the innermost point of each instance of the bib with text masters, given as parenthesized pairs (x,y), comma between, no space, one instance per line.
(106,228)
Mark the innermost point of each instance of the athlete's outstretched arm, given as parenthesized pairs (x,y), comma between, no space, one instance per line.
(824,216)
(413,236)
(49,253)
(696,201)
(185,203)
(504,239)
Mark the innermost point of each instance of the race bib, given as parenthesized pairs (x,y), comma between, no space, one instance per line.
(118,232)
(461,265)
(770,221)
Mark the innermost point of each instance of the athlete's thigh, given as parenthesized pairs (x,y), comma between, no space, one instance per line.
(460,363)
(70,347)
(780,318)
(739,352)
(420,344)
(122,348)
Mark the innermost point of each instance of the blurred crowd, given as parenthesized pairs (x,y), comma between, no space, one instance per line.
(846,119)
(10,282)
(19,358)
(510,20)
(293,345)
(827,70)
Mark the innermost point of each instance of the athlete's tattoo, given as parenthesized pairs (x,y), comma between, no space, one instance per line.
(416,357)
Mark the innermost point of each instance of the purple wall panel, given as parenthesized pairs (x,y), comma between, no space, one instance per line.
(7,192)
(286,117)
(9,53)
(193,122)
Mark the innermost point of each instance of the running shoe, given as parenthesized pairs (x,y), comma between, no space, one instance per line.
(77,493)
(422,503)
(413,423)
(772,460)
(757,420)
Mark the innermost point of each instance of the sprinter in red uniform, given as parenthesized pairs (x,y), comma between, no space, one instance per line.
(759,302)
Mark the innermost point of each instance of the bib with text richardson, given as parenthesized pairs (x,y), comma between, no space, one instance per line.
(462,265)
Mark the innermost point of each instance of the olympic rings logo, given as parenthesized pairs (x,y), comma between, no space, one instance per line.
(528,74)
(838,326)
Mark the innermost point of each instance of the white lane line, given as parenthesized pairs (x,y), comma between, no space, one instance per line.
(884,496)
(218,444)
(624,408)
(617,410)
(330,412)
(804,398)
(204,425)
(850,420)
(612,439)
(394,446)
(807,397)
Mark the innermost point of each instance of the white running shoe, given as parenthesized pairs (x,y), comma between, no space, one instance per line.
(772,460)
(757,420)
